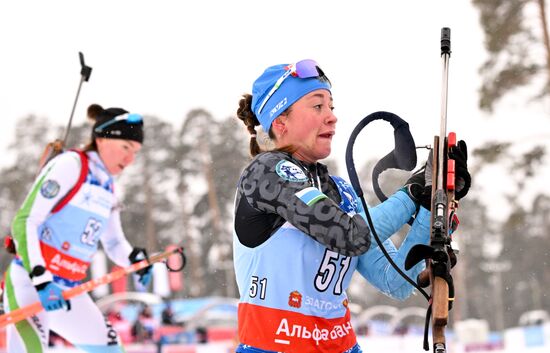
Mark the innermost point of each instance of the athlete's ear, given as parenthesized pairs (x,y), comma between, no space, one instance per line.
(279,126)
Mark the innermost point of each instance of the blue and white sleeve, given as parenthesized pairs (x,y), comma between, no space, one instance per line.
(376,269)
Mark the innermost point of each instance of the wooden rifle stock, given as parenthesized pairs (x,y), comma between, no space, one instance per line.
(51,150)
(439,265)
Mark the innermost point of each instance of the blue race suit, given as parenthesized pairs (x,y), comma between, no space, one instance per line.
(299,236)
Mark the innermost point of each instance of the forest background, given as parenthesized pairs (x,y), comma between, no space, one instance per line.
(181,188)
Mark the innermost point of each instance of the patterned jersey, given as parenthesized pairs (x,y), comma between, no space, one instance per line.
(65,241)
(299,236)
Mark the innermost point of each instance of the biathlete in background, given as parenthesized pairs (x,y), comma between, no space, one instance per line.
(300,233)
(70,208)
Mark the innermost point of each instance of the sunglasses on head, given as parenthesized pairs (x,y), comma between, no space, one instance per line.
(303,69)
(130,118)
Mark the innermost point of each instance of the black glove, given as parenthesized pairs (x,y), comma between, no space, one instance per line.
(137,255)
(463,180)
(419,185)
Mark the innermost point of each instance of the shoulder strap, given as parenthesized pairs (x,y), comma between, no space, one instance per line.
(81,179)
(9,244)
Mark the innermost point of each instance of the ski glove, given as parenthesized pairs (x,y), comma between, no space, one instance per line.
(49,293)
(145,274)
(419,185)
(51,296)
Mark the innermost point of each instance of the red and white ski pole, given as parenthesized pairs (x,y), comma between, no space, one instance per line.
(32,309)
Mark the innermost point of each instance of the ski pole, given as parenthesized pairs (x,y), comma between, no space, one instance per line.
(32,309)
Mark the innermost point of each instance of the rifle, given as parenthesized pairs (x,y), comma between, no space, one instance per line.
(56,147)
(440,256)
(22,313)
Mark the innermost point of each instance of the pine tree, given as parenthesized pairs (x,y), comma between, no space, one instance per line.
(516,39)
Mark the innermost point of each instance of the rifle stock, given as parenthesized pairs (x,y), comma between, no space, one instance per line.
(439,265)
(52,149)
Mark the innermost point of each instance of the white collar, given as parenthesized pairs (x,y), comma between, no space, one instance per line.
(94,157)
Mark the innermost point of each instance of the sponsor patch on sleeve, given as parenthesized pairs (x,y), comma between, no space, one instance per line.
(290,171)
(49,189)
(310,195)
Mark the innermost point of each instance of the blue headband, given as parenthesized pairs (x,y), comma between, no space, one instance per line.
(291,89)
